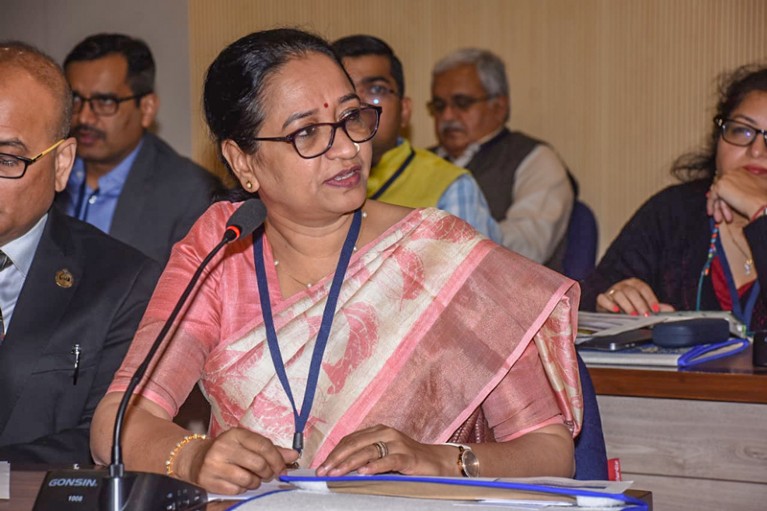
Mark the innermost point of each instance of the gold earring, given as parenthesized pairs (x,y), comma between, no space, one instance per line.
(249,185)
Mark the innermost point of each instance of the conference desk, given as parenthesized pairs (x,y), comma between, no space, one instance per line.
(26,483)
(696,438)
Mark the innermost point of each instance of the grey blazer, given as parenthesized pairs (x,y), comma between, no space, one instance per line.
(163,196)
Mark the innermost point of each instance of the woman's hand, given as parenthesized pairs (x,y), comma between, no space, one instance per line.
(736,191)
(358,451)
(631,296)
(235,461)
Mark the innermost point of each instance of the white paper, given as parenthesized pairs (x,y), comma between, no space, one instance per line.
(5,480)
(310,494)
(265,488)
(598,324)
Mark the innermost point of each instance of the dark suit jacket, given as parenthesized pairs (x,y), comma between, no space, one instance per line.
(44,416)
(163,196)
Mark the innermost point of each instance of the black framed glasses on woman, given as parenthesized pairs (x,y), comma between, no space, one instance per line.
(739,133)
(14,167)
(313,140)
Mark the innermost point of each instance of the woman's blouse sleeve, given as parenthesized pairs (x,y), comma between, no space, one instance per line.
(178,364)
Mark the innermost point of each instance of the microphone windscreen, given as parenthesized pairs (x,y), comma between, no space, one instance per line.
(248,217)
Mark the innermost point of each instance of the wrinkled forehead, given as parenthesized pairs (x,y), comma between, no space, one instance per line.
(26,104)
(459,80)
(305,83)
(364,69)
(105,75)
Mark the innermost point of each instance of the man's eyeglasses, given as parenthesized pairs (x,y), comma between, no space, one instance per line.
(101,104)
(14,167)
(738,133)
(360,125)
(375,93)
(460,102)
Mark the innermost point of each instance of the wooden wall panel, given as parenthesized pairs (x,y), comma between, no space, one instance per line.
(618,87)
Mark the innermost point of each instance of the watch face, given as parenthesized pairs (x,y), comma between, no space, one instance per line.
(469,463)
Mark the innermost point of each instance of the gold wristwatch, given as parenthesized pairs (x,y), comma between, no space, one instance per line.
(467,460)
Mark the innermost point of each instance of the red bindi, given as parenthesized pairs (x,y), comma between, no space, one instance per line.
(326,105)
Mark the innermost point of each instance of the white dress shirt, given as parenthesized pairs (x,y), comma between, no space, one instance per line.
(21,251)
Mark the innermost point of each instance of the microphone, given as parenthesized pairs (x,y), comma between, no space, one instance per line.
(116,489)
(248,217)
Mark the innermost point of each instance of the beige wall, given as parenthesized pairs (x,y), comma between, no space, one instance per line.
(55,26)
(618,87)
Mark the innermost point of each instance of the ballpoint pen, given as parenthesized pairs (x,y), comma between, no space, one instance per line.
(76,352)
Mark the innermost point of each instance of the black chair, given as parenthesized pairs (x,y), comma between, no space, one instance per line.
(581,243)
(590,451)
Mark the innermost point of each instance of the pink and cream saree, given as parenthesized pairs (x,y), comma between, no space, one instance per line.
(433,322)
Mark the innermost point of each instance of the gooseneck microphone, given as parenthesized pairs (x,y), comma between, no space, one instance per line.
(116,490)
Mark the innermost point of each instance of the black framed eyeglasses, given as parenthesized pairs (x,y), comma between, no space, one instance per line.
(375,93)
(101,104)
(314,140)
(14,167)
(739,133)
(460,102)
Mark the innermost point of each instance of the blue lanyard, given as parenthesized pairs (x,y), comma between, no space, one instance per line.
(301,417)
(394,176)
(753,294)
(83,203)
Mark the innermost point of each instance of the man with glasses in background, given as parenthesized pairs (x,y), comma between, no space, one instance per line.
(401,174)
(71,297)
(126,181)
(529,190)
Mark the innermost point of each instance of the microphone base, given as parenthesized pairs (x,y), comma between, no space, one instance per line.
(86,490)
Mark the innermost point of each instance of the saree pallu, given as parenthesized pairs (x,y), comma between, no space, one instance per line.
(433,322)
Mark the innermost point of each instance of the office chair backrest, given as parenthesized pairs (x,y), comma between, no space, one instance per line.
(581,244)
(590,451)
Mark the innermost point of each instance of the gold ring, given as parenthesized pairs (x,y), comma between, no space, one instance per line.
(382,449)
(611,292)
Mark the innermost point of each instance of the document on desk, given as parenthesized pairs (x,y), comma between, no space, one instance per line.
(652,355)
(5,480)
(394,491)
(604,324)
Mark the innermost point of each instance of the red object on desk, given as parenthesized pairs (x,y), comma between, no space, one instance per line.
(614,470)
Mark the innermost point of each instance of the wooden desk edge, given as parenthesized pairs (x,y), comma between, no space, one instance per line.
(705,386)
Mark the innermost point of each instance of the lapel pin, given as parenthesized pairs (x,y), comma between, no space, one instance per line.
(64,278)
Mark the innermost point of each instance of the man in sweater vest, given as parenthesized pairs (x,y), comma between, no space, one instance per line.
(527,186)
(400,173)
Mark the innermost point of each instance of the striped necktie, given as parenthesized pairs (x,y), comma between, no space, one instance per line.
(5,262)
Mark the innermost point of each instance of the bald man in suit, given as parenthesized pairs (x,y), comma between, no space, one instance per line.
(71,296)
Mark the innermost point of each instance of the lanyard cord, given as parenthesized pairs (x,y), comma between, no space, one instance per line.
(716,248)
(709,259)
(753,294)
(81,209)
(301,417)
(394,176)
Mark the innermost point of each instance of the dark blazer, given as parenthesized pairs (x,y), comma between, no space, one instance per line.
(163,196)
(44,416)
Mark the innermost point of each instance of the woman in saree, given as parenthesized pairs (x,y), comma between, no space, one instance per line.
(357,335)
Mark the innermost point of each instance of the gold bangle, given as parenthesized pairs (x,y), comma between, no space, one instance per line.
(180,445)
